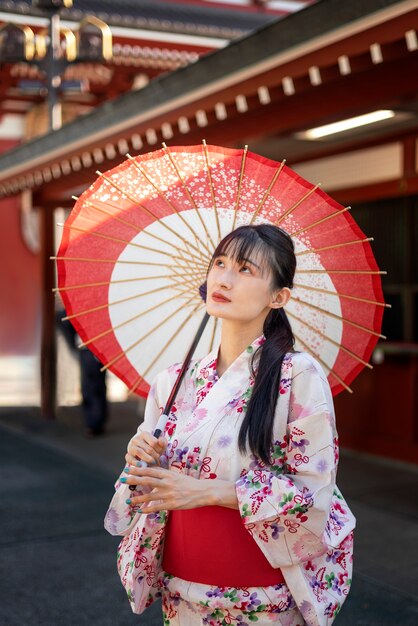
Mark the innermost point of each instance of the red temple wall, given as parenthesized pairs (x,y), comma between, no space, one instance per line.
(19,281)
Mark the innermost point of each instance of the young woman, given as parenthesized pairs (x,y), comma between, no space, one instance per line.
(238,518)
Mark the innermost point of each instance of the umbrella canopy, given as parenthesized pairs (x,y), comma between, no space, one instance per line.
(136,247)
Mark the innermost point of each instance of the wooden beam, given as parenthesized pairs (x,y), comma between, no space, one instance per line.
(396,188)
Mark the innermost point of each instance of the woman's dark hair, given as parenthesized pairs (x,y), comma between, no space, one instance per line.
(275,250)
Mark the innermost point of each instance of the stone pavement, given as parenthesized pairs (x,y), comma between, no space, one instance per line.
(57,565)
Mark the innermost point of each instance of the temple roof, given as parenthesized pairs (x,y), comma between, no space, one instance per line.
(205,18)
(317,62)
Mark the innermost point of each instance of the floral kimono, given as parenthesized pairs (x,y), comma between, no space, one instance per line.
(291,508)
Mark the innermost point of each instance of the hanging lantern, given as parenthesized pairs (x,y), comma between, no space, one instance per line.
(94,39)
(17,43)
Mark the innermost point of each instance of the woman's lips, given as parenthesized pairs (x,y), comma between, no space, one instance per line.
(218,297)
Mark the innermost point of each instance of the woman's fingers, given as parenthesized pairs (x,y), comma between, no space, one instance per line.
(146,447)
(141,481)
(140,455)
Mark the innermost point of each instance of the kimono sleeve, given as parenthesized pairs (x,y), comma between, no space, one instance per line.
(286,506)
(120,517)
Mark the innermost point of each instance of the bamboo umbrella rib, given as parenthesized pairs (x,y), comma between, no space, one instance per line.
(212,189)
(116,282)
(132,319)
(117,239)
(335,343)
(167,343)
(241,176)
(190,281)
(296,205)
(198,266)
(170,204)
(197,278)
(333,247)
(178,329)
(126,222)
(123,353)
(343,295)
(135,385)
(268,190)
(318,222)
(109,304)
(179,268)
(327,367)
(130,243)
(354,272)
(189,195)
(87,260)
(339,317)
(140,205)
(189,263)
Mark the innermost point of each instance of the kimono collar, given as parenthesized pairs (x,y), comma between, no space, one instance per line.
(216,399)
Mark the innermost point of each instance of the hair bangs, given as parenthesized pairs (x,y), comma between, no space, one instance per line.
(245,245)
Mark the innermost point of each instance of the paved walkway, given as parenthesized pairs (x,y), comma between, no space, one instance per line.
(58,564)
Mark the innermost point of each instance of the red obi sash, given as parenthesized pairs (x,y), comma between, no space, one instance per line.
(210,545)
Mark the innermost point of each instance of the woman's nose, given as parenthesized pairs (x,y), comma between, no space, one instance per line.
(225,281)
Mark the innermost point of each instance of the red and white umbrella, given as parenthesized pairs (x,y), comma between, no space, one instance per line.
(136,247)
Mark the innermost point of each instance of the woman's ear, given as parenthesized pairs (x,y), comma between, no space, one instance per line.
(280,298)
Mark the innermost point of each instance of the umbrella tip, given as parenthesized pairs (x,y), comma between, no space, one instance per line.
(128,155)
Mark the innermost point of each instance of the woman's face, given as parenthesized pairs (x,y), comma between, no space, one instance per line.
(239,291)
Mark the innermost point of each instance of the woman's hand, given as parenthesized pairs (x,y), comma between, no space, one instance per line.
(166,489)
(169,489)
(145,447)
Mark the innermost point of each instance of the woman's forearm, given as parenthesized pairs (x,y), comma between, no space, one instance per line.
(221,493)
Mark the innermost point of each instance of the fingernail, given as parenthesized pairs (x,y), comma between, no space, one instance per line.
(128,501)
(123,480)
(126,470)
(141,464)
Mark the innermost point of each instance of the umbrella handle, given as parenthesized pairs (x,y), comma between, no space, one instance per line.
(164,416)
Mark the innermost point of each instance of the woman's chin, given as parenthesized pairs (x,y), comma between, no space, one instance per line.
(215,311)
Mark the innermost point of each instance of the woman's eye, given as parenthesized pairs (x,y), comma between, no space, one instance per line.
(219,263)
(245,268)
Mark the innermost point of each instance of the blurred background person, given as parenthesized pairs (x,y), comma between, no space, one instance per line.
(93,380)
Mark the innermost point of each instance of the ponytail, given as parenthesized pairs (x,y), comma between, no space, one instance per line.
(277,253)
(257,427)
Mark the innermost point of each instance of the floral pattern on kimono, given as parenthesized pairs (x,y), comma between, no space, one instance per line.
(291,508)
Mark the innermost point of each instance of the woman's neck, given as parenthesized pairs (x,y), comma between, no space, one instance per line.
(234,339)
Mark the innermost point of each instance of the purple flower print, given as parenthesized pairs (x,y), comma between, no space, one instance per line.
(300,444)
(180,452)
(223,442)
(253,602)
(333,555)
(276,530)
(215,593)
(322,466)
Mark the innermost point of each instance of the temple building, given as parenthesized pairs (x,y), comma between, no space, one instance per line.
(290,79)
